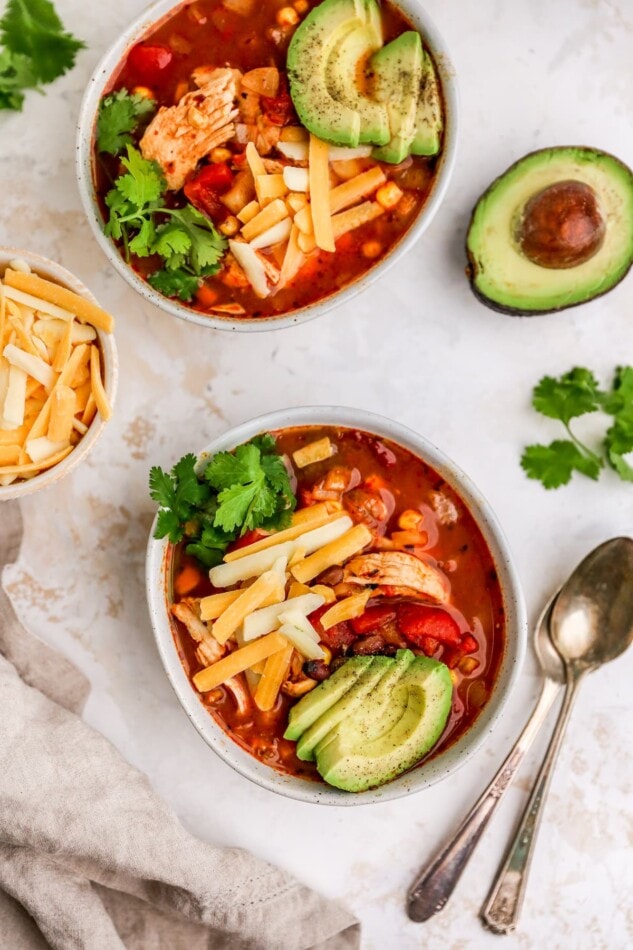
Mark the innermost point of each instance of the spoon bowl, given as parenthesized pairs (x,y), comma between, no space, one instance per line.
(592,618)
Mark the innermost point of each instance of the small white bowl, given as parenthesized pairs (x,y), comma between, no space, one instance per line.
(84,162)
(55,272)
(158,580)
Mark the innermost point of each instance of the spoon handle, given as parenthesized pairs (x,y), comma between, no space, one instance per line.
(432,888)
(500,912)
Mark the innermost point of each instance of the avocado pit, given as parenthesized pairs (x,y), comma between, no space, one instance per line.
(562,225)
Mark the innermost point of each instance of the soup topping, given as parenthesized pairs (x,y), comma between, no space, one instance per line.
(252,179)
(51,378)
(351,618)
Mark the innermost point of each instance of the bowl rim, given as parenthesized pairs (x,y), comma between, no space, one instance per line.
(458,753)
(50,269)
(83,166)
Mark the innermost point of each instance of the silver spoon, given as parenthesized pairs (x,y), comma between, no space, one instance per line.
(591,623)
(434,885)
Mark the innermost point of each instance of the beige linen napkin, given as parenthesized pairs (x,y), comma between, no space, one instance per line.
(91,858)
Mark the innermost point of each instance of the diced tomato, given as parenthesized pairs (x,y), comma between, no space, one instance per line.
(150,60)
(417,621)
(373,619)
(469,644)
(249,538)
(338,637)
(187,580)
(205,189)
(278,109)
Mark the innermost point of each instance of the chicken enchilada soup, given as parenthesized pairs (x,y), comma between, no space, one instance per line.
(253,158)
(334,602)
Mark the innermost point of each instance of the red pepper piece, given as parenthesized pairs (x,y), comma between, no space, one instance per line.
(338,637)
(416,621)
(205,189)
(278,109)
(373,619)
(150,60)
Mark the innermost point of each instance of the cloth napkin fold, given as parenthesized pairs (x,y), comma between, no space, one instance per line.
(91,858)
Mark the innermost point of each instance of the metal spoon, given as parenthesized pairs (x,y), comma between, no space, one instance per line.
(431,890)
(591,623)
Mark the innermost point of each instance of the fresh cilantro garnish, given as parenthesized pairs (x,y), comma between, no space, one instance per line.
(119,115)
(572,395)
(185,239)
(175,283)
(36,49)
(237,492)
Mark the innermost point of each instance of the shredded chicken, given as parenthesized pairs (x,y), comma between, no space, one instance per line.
(209,648)
(443,507)
(240,694)
(179,136)
(396,573)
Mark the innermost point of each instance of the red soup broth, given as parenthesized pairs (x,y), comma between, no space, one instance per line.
(207,33)
(406,482)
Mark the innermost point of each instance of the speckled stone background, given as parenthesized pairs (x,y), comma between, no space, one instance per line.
(419,348)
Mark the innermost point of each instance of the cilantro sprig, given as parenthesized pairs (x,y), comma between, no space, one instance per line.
(187,241)
(237,492)
(120,114)
(35,49)
(568,397)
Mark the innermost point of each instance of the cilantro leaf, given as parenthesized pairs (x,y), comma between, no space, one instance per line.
(172,243)
(618,442)
(207,247)
(175,283)
(141,243)
(119,115)
(144,184)
(33,29)
(554,464)
(572,395)
(621,395)
(234,495)
(190,488)
(16,74)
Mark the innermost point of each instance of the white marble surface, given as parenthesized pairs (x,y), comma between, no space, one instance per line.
(532,74)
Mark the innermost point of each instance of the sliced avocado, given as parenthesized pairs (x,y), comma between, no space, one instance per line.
(347,60)
(308,742)
(555,230)
(308,54)
(397,724)
(312,706)
(397,75)
(429,120)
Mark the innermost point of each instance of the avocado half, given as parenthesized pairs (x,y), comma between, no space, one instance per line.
(554,231)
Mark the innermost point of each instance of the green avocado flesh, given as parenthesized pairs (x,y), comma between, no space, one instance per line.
(428,116)
(397,70)
(349,89)
(501,274)
(369,722)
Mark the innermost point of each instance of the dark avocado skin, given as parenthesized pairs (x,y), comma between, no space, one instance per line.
(471,267)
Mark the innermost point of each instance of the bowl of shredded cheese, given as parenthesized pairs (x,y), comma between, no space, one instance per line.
(58,372)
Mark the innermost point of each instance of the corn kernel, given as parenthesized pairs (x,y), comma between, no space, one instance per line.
(371,249)
(220,154)
(144,91)
(388,195)
(454,677)
(328,655)
(230,226)
(301,6)
(468,665)
(287,16)
(410,520)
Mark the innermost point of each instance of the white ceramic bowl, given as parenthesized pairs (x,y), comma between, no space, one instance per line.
(158,575)
(55,272)
(85,135)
